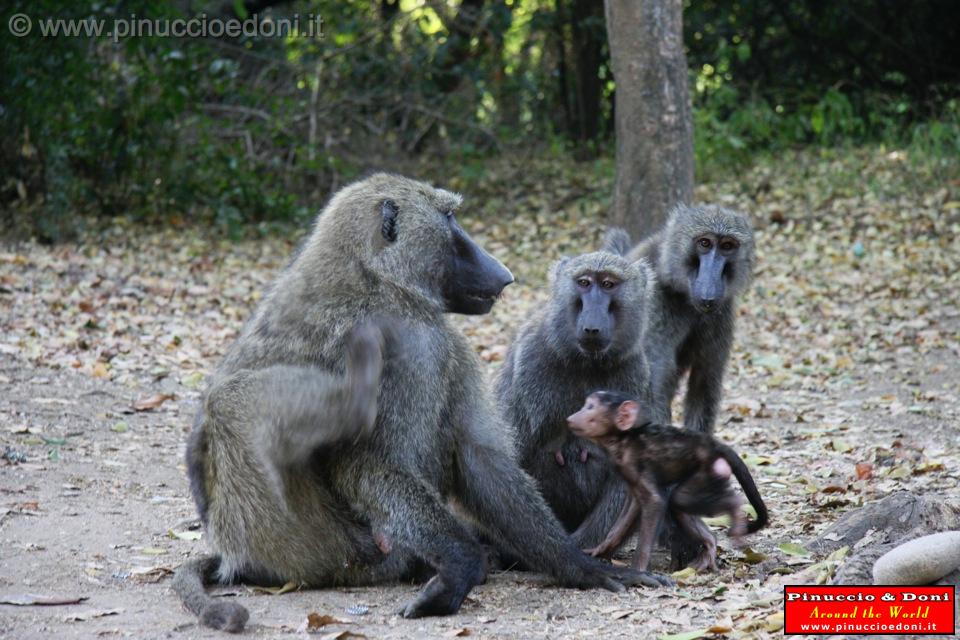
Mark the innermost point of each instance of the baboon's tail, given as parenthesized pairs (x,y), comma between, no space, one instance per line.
(616,240)
(189,581)
(749,487)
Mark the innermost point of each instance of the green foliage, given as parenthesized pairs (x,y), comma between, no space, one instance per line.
(252,132)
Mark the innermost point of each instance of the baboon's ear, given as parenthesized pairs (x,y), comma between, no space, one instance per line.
(557,267)
(388,223)
(627,414)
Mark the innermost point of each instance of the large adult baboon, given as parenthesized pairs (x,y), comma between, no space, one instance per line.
(349,411)
(588,337)
(704,259)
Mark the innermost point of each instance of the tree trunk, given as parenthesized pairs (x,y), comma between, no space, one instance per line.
(587,37)
(654,126)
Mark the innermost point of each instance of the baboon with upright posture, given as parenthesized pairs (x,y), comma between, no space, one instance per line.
(704,259)
(589,336)
(350,412)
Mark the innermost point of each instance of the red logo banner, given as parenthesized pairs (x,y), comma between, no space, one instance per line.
(869,610)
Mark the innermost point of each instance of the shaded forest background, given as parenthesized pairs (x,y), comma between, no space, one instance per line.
(247,134)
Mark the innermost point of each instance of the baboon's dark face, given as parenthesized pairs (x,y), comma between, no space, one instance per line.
(474,278)
(707,254)
(712,262)
(598,309)
(420,247)
(595,304)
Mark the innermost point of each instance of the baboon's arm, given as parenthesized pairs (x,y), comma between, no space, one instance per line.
(524,434)
(290,411)
(601,518)
(620,529)
(705,387)
(664,377)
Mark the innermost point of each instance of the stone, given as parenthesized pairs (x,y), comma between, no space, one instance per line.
(920,561)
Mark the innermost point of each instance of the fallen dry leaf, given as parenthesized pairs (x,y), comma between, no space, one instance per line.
(151,574)
(276,591)
(30,599)
(152,402)
(88,615)
(317,621)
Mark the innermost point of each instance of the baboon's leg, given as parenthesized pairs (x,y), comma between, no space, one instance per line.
(703,397)
(697,530)
(653,505)
(664,379)
(409,514)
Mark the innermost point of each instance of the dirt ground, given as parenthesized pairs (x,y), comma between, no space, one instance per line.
(843,388)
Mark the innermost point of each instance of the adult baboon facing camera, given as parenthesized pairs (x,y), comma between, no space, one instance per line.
(589,336)
(704,259)
(349,411)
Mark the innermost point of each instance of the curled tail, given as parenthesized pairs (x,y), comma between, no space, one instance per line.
(749,487)
(189,581)
(616,240)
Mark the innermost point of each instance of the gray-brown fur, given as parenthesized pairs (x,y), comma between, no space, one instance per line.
(681,335)
(546,375)
(349,412)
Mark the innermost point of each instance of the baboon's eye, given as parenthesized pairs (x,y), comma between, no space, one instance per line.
(608,284)
(728,245)
(704,243)
(448,214)
(583,282)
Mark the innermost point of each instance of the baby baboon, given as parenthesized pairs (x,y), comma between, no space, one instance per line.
(349,413)
(652,458)
(588,337)
(703,259)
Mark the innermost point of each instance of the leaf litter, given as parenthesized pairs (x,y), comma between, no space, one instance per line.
(842,387)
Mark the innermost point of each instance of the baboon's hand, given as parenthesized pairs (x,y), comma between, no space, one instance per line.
(633,578)
(558,456)
(589,573)
(364,363)
(616,578)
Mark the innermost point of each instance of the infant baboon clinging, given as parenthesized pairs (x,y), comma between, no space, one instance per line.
(704,259)
(652,458)
(349,412)
(589,336)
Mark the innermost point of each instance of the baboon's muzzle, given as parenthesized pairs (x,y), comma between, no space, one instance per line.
(475,278)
